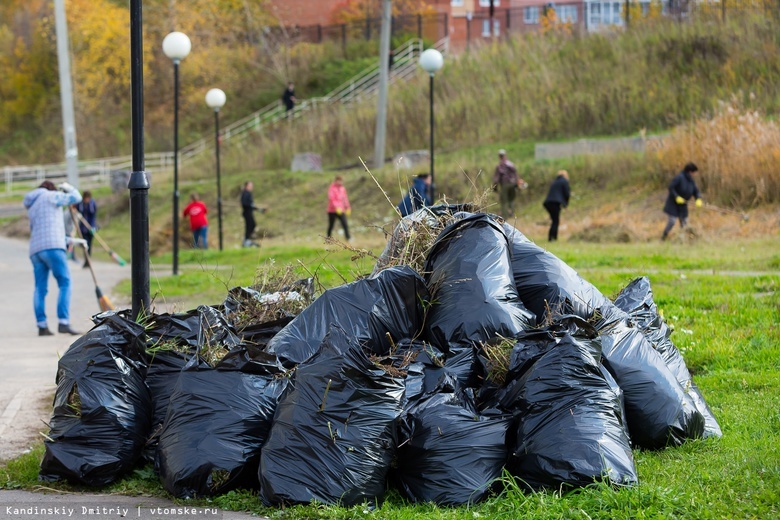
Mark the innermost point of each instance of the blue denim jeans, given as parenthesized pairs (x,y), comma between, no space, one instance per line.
(53,260)
(200,236)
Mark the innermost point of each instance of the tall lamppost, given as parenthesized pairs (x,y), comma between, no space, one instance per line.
(215,99)
(432,61)
(176,46)
(139,183)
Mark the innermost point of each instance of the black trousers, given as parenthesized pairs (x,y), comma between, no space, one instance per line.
(249,224)
(332,220)
(554,209)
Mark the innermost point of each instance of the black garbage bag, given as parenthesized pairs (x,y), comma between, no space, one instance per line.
(334,434)
(569,425)
(637,300)
(658,411)
(217,422)
(261,333)
(102,408)
(172,342)
(545,283)
(450,454)
(368,309)
(469,276)
(161,377)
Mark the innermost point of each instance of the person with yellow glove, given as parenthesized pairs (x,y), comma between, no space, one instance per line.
(681,189)
(338,206)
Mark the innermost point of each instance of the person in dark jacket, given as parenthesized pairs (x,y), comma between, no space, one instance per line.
(88,209)
(247,208)
(557,198)
(418,197)
(288,98)
(681,189)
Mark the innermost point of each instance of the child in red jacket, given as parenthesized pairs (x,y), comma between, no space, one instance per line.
(199,225)
(338,205)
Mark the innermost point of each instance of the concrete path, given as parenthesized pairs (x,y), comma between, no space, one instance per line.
(29,362)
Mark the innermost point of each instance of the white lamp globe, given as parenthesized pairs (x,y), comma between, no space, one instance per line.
(177,46)
(215,98)
(431,61)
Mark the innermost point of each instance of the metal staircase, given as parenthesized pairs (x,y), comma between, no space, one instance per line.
(361,86)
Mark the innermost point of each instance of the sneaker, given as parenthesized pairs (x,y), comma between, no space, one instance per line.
(44,331)
(65,329)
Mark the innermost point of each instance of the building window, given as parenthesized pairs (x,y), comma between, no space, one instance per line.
(567,13)
(486,3)
(486,28)
(531,15)
(457,3)
(594,15)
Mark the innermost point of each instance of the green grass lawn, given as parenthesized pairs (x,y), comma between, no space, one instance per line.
(724,304)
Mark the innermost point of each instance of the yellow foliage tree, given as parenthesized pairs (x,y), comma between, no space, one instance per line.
(349,11)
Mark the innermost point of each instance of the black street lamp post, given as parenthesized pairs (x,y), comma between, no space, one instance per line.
(139,184)
(176,46)
(215,99)
(432,61)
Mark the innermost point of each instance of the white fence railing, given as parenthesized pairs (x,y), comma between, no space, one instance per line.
(98,171)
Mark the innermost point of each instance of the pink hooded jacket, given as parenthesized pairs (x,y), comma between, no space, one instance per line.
(337,198)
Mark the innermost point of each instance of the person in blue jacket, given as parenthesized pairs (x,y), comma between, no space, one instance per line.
(681,189)
(418,197)
(47,250)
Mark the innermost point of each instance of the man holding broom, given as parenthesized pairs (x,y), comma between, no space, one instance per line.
(47,250)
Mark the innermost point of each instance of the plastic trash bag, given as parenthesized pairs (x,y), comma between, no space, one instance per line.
(102,407)
(569,426)
(368,309)
(545,284)
(334,433)
(216,424)
(658,411)
(637,300)
(450,454)
(469,276)
(260,334)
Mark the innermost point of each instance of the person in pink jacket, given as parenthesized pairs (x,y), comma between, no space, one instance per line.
(338,205)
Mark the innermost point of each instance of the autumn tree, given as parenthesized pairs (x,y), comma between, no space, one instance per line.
(349,11)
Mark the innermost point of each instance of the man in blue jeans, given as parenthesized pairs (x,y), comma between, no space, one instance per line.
(47,250)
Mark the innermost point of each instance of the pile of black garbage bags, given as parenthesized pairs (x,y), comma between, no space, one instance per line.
(386,381)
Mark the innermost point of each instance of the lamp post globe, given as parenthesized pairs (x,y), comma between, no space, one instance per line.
(176,46)
(215,99)
(431,61)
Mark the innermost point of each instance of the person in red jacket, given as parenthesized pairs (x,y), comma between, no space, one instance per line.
(199,225)
(338,205)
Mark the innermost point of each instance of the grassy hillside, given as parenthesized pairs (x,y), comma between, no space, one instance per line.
(557,85)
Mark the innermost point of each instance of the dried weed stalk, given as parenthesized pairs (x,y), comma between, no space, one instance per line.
(498,356)
(280,296)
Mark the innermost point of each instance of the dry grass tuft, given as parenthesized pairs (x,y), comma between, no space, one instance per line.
(498,355)
(280,294)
